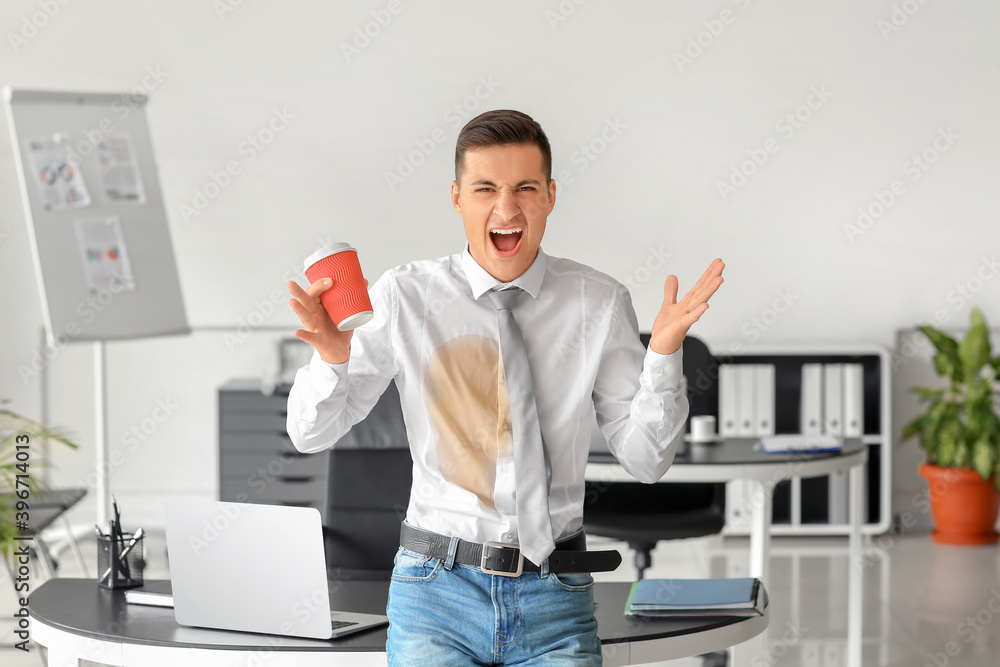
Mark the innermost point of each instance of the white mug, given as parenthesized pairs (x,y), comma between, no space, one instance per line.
(703,428)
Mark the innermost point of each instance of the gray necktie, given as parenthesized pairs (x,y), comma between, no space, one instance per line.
(534,528)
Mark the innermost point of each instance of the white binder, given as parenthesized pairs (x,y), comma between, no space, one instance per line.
(764,422)
(854,403)
(728,400)
(747,412)
(811,399)
(833,399)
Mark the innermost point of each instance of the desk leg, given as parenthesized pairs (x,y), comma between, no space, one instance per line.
(855,574)
(760,532)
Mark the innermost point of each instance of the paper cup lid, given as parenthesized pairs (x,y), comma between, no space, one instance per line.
(326,251)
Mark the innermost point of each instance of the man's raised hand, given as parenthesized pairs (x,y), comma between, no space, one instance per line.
(676,317)
(333,345)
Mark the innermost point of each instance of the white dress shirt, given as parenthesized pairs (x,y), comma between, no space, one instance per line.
(436,334)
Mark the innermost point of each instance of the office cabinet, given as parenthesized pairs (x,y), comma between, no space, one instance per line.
(840,390)
(257,461)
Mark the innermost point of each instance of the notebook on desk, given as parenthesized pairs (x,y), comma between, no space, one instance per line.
(696,597)
(796,442)
(255,568)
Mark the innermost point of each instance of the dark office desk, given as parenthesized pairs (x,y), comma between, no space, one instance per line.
(74,618)
(740,458)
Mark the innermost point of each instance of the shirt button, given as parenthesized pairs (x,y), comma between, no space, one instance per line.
(506,468)
(659,371)
(506,426)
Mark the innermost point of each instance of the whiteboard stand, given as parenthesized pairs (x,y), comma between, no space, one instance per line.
(100,144)
(103,491)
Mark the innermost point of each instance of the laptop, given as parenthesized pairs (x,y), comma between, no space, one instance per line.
(254,568)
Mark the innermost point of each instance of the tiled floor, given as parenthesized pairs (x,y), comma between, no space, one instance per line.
(919,596)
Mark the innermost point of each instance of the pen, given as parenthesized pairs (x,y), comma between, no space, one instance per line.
(135,539)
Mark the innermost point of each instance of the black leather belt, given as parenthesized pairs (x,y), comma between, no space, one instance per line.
(571,554)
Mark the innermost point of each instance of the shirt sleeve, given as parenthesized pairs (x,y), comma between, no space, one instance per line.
(326,400)
(640,414)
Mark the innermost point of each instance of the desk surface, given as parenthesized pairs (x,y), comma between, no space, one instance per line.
(742,451)
(81,607)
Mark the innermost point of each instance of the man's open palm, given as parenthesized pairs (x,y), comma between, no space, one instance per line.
(676,317)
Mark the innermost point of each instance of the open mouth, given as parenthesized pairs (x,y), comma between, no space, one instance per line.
(506,241)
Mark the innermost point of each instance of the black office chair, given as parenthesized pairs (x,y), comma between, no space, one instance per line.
(368,491)
(643,514)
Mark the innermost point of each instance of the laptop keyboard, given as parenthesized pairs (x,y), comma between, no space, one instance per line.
(337,625)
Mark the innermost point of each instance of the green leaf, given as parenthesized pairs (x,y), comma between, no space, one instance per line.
(974,352)
(929,393)
(948,436)
(947,348)
(983,457)
(947,367)
(916,426)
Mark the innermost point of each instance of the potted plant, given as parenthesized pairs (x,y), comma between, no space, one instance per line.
(960,431)
(17,430)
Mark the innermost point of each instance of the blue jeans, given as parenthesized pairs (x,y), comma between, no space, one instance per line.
(445,613)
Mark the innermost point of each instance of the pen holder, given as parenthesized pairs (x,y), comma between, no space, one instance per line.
(119,561)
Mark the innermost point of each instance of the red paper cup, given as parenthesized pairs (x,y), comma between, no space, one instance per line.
(347,301)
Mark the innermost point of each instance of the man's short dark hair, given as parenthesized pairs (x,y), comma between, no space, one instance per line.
(503,127)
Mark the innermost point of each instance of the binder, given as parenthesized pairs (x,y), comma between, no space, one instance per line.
(854,400)
(853,424)
(764,400)
(832,654)
(746,412)
(811,654)
(811,413)
(728,400)
(833,399)
(833,411)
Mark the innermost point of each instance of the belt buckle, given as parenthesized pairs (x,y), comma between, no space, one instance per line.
(501,545)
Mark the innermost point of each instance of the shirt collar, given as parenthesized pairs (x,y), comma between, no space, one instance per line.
(482,282)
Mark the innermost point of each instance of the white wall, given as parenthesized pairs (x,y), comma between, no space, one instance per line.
(653,190)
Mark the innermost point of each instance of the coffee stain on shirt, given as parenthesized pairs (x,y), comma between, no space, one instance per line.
(468,408)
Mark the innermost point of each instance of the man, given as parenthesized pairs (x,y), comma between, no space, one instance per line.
(498,411)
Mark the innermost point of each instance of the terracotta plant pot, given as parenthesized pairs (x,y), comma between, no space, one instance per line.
(964,507)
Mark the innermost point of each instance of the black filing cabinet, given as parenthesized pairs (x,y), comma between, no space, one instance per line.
(257,461)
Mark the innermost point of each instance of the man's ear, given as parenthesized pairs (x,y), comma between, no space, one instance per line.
(456,203)
(552,194)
